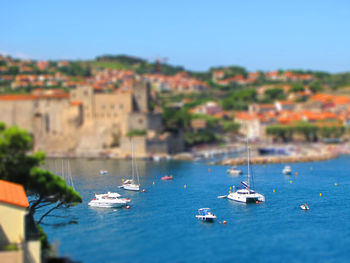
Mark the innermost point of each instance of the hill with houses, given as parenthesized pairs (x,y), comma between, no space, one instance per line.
(214,106)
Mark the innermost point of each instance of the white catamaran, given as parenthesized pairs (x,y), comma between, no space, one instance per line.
(246,195)
(132,184)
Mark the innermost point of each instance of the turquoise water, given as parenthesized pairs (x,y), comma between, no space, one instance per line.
(161,226)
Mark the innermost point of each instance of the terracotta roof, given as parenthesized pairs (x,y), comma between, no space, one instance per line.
(13,194)
(12,97)
(76,103)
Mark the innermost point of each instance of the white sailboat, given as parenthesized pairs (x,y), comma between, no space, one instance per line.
(132,184)
(66,173)
(246,195)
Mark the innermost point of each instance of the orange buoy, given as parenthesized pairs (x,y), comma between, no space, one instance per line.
(257,202)
(224,222)
(296,173)
(143,190)
(127,207)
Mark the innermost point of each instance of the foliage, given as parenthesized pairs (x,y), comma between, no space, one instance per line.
(10,247)
(46,189)
(231,70)
(174,120)
(195,138)
(120,58)
(285,133)
(315,87)
(308,130)
(274,94)
(211,121)
(311,132)
(13,70)
(297,87)
(239,99)
(133,133)
(230,126)
(45,245)
(76,69)
(332,131)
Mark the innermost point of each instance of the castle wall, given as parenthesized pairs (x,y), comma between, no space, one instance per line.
(17,112)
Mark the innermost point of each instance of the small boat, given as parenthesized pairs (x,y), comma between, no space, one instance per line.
(287,170)
(234,171)
(167,177)
(103,172)
(305,206)
(205,214)
(132,184)
(109,200)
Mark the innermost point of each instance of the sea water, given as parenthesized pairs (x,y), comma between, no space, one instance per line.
(161,226)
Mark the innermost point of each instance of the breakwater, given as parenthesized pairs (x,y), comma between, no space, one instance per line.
(279,159)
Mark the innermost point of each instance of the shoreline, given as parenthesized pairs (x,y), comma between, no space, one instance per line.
(279,159)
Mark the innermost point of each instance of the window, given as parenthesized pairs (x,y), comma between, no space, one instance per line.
(121,106)
(112,106)
(86,93)
(140,121)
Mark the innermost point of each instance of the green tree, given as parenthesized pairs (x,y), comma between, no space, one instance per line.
(297,87)
(175,120)
(230,126)
(46,190)
(332,131)
(195,138)
(315,87)
(285,133)
(13,70)
(274,94)
(308,130)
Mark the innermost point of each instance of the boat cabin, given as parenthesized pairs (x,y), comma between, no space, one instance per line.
(245,191)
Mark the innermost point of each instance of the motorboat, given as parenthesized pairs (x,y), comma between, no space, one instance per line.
(132,184)
(167,177)
(305,206)
(234,171)
(103,172)
(247,194)
(205,214)
(287,170)
(109,200)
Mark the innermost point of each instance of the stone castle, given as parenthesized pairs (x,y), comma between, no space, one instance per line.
(88,123)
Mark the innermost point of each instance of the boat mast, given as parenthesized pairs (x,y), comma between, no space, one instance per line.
(132,158)
(248,150)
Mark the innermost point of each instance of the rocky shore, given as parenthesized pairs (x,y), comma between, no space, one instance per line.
(302,153)
(279,159)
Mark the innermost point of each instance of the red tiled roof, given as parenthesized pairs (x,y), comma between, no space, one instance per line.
(12,97)
(76,103)
(13,194)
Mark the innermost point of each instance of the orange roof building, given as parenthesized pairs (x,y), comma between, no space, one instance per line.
(13,194)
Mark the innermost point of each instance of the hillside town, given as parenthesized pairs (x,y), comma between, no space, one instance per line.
(91,109)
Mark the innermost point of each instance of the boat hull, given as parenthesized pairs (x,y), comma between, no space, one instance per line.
(131,187)
(96,203)
(206,218)
(246,199)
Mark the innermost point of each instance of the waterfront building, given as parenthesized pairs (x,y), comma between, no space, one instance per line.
(87,122)
(19,237)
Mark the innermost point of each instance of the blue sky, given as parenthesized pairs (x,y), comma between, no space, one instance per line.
(262,35)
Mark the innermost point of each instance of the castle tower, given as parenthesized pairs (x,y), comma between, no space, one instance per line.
(141,95)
